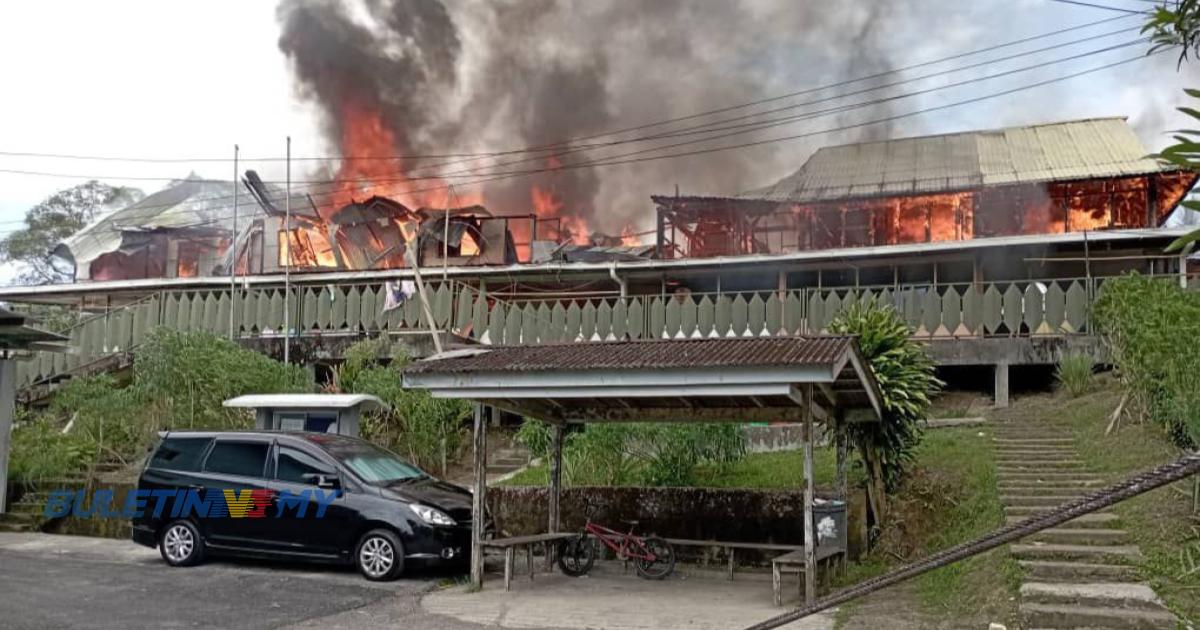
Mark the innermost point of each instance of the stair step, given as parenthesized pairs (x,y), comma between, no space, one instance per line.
(1083,485)
(1044,491)
(1024,465)
(1091,553)
(1103,594)
(16,527)
(507,461)
(1035,500)
(1081,536)
(1077,616)
(1047,476)
(1034,444)
(1061,571)
(1041,456)
(1101,520)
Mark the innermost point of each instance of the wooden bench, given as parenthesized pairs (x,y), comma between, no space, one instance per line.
(732,547)
(794,562)
(509,545)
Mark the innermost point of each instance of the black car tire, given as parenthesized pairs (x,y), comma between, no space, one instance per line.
(379,555)
(180,544)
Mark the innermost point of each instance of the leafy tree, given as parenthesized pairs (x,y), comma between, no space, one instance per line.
(906,380)
(1177,25)
(54,219)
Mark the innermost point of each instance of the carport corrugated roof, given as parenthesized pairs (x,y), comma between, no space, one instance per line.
(718,379)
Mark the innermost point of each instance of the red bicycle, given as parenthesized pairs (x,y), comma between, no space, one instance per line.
(653,557)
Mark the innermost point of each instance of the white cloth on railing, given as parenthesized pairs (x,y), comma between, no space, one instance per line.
(397,292)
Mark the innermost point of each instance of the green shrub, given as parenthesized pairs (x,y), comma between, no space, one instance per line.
(906,381)
(1152,330)
(536,436)
(1075,373)
(40,451)
(425,429)
(649,454)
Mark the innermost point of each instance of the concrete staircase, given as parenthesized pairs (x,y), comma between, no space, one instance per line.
(27,514)
(1082,574)
(507,460)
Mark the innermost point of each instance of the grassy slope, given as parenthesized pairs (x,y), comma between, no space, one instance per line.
(952,499)
(1160,521)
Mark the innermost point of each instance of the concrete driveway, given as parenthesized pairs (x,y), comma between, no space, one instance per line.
(50,581)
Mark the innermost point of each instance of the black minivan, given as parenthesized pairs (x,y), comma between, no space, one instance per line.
(299,496)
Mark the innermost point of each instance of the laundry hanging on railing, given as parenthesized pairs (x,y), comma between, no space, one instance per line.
(397,292)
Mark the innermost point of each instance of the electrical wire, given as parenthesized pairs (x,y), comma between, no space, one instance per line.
(576,139)
(738,129)
(1101,6)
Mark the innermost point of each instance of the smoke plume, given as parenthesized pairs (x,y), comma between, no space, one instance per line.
(454,77)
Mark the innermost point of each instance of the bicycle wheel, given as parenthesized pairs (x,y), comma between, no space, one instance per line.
(576,555)
(664,559)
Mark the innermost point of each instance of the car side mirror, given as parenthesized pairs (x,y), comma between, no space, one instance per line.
(329,482)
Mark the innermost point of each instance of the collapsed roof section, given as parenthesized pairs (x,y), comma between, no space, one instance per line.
(182,230)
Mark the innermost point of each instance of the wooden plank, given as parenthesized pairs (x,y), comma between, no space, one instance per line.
(196,313)
(462,315)
(512,324)
(620,319)
(496,324)
(793,313)
(657,319)
(706,316)
(810,534)
(367,307)
(931,311)
(774,320)
(972,310)
(992,314)
(687,317)
(478,499)
(558,323)
(816,312)
(353,308)
(756,315)
(1055,307)
(556,448)
(574,323)
(739,316)
(212,315)
(603,321)
(529,324)
(480,318)
(545,324)
(1076,306)
(224,312)
(1012,309)
(1033,314)
(672,318)
(442,302)
(723,323)
(952,309)
(637,319)
(587,321)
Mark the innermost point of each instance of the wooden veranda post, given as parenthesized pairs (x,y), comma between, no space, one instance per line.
(810,535)
(479,498)
(555,489)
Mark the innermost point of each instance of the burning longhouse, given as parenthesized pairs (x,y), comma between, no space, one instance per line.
(991,243)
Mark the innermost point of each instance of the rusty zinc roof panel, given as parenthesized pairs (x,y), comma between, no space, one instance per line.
(652,354)
(1078,149)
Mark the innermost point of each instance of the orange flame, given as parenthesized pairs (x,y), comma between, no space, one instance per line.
(628,237)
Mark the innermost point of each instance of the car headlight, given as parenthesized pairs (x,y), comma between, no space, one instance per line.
(431,515)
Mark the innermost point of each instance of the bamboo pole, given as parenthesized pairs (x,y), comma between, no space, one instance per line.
(810,540)
(479,499)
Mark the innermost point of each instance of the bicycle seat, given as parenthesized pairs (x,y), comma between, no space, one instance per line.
(629,521)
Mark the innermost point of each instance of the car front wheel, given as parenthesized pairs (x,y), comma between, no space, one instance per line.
(180,544)
(379,555)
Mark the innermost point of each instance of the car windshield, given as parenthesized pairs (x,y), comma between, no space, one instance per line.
(374,465)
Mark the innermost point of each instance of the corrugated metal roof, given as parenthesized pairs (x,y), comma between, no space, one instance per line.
(1078,149)
(652,354)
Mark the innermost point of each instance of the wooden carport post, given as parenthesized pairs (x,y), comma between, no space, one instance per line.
(810,540)
(555,490)
(479,498)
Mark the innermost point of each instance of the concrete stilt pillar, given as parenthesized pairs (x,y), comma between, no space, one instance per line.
(1000,390)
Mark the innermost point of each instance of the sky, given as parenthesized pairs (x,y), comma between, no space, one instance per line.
(149,78)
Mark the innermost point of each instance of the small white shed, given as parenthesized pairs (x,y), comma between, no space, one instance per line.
(323,413)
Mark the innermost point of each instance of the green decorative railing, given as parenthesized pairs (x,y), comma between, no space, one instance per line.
(1049,307)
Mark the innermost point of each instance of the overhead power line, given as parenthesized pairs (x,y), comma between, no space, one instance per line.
(745,128)
(569,141)
(1101,6)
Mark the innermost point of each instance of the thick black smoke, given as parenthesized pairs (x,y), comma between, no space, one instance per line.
(482,76)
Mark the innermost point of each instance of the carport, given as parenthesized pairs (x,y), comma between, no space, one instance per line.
(774,379)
